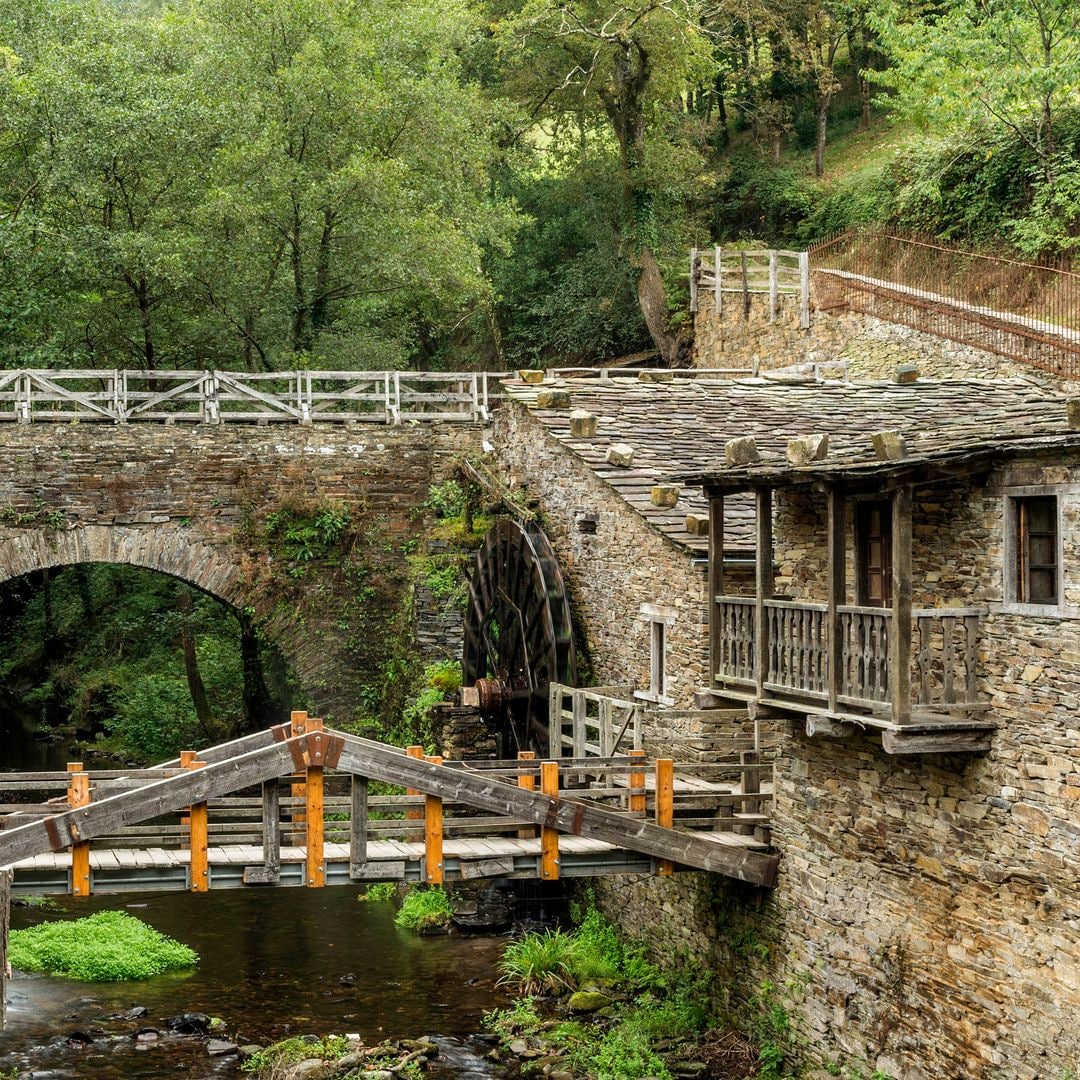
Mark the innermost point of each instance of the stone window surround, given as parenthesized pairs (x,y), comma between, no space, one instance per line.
(657,617)
(1009,604)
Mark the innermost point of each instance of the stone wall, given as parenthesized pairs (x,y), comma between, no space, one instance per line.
(610,573)
(872,348)
(195,502)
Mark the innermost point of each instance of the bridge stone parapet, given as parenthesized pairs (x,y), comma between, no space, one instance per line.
(197,502)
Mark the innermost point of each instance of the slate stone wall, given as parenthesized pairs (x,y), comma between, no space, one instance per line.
(193,501)
(873,348)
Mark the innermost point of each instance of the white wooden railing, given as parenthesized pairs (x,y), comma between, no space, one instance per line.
(601,721)
(944,656)
(216,397)
(744,273)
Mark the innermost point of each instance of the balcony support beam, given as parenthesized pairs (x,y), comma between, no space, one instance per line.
(764,587)
(900,631)
(716,581)
(837,571)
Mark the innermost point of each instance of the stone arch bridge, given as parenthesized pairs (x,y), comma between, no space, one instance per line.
(195,500)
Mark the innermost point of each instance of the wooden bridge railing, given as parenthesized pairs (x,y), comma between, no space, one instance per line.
(744,273)
(598,721)
(218,397)
(944,664)
(138,808)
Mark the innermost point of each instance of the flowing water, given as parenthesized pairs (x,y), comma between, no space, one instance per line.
(274,963)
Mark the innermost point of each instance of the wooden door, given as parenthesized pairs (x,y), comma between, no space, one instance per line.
(873,526)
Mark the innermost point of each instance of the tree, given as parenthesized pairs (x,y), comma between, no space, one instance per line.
(618,72)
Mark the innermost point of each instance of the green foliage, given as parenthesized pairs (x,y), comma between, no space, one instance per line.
(446,500)
(302,534)
(154,717)
(521,1018)
(424,908)
(382,892)
(539,962)
(274,1061)
(110,946)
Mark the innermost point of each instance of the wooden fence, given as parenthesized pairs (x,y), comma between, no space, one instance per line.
(218,397)
(741,273)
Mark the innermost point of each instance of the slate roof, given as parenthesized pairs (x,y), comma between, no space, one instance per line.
(679,429)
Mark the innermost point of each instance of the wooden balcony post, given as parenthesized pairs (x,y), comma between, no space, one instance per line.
(763,588)
(527,782)
(837,570)
(635,796)
(358,826)
(665,807)
(314,820)
(900,631)
(716,581)
(78,794)
(198,838)
(549,838)
(414,813)
(433,834)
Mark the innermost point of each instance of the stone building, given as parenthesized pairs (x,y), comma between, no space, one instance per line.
(891,589)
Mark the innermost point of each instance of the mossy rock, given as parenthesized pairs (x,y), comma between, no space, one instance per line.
(587,1001)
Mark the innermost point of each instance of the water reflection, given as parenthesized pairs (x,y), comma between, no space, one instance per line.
(273,963)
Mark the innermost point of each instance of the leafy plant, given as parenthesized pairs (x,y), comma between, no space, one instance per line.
(382,892)
(275,1061)
(110,946)
(540,962)
(521,1018)
(423,908)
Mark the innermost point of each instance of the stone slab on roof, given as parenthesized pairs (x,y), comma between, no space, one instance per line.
(679,430)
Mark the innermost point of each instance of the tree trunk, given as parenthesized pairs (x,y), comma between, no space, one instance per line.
(822,129)
(196,687)
(259,709)
(775,137)
(652,297)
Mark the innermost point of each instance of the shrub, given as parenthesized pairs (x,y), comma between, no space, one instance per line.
(422,908)
(539,962)
(110,946)
(381,892)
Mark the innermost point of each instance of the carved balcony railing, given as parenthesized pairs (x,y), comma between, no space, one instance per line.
(943,653)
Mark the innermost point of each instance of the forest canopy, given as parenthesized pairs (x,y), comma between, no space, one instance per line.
(272,184)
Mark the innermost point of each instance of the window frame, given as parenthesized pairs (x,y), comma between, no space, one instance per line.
(1011,568)
(658,620)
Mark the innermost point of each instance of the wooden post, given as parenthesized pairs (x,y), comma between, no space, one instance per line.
(745,287)
(358,826)
(900,640)
(693,279)
(635,797)
(718,291)
(665,807)
(271,826)
(716,581)
(315,825)
(5,920)
(763,588)
(837,585)
(78,794)
(549,838)
(198,840)
(579,709)
(433,834)
(298,720)
(527,782)
(751,781)
(414,813)
(772,285)
(555,699)
(804,290)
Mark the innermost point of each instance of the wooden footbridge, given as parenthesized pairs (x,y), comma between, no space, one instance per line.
(300,804)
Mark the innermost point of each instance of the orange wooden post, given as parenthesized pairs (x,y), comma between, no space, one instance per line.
(665,806)
(298,725)
(527,781)
(549,838)
(414,813)
(199,842)
(78,794)
(433,834)
(635,799)
(186,758)
(314,817)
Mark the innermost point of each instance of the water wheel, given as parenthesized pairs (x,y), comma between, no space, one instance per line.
(518,635)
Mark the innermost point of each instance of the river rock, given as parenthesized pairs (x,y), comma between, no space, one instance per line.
(221,1047)
(311,1069)
(146,1035)
(189,1023)
(587,1001)
(79,1038)
(347,980)
(249,1050)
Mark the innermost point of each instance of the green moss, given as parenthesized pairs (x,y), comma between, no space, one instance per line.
(110,946)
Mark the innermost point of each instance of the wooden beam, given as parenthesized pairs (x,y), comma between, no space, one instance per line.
(271,825)
(946,742)
(78,794)
(635,791)
(716,581)
(198,842)
(763,587)
(358,826)
(414,813)
(527,782)
(298,719)
(900,642)
(314,820)
(837,594)
(665,807)
(549,837)
(5,922)
(433,834)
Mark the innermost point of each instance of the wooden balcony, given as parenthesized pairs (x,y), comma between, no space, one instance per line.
(942,659)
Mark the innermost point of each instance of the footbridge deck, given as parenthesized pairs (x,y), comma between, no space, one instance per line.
(293,806)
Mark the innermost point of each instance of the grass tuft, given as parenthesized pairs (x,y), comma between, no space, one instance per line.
(423,908)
